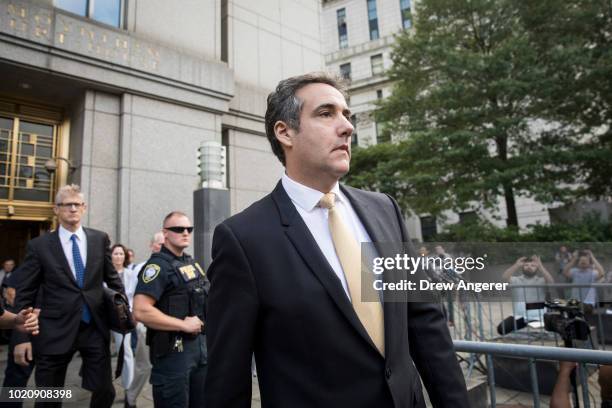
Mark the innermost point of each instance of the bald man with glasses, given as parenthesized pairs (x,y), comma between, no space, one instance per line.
(170,300)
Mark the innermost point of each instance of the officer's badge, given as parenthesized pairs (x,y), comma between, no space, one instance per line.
(188,272)
(150,272)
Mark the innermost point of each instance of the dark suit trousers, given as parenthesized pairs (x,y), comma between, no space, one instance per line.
(15,375)
(96,369)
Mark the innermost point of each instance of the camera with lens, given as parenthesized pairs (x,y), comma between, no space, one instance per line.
(566,317)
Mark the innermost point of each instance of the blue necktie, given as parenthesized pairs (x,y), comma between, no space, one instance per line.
(79,269)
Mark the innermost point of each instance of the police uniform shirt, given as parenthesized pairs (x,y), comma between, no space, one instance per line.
(156,275)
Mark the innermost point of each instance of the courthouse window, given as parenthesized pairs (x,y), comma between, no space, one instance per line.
(468,217)
(105,11)
(377,64)
(345,71)
(373,20)
(405,10)
(429,228)
(342,30)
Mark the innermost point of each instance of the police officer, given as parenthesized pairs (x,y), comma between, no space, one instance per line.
(170,300)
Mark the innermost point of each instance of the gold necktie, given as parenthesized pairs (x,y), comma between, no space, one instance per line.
(349,252)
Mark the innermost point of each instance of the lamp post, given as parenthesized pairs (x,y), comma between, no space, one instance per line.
(51,164)
(211,201)
(211,165)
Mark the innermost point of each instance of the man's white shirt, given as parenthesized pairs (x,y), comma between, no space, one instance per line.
(64,236)
(306,200)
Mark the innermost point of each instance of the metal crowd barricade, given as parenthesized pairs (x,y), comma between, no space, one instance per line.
(477,319)
(533,353)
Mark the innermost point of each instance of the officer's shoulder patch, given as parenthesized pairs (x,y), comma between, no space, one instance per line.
(150,272)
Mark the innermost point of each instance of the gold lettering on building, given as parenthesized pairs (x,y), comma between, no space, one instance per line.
(37,23)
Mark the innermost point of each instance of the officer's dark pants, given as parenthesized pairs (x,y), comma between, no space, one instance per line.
(178,377)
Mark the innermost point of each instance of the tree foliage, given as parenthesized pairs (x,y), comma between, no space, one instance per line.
(496,99)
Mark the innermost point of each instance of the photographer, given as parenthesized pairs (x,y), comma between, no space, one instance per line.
(584,269)
(530,272)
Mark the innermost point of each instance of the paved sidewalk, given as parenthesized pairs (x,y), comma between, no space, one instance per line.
(145,400)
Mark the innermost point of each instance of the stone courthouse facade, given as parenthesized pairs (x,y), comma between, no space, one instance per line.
(119,94)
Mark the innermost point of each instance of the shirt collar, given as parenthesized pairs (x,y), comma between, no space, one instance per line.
(307,198)
(169,252)
(65,235)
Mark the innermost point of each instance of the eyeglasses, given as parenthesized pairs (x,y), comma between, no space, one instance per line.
(70,205)
(180,230)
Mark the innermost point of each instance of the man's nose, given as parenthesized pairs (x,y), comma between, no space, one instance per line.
(346,127)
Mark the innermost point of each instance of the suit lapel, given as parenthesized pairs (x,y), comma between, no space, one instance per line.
(386,244)
(59,250)
(370,219)
(303,241)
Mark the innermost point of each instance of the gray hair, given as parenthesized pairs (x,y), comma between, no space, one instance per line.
(284,106)
(68,190)
(155,237)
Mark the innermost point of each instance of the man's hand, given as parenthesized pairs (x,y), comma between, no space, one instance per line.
(538,262)
(566,367)
(521,261)
(9,294)
(23,354)
(27,320)
(591,256)
(192,325)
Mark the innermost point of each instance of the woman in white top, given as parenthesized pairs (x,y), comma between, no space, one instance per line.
(120,262)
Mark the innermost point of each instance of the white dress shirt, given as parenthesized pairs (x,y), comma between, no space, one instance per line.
(64,236)
(306,200)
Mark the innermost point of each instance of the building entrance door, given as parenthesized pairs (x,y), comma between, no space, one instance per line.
(30,136)
(15,236)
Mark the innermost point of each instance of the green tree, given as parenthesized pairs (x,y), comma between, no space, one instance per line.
(574,41)
(472,100)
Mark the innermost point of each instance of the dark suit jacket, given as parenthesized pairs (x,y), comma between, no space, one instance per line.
(274,293)
(46,269)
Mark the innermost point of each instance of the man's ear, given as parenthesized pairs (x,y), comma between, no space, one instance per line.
(284,134)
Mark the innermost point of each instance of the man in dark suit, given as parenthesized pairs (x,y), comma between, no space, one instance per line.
(63,273)
(284,286)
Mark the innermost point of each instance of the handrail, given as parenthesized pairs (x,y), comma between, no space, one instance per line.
(536,352)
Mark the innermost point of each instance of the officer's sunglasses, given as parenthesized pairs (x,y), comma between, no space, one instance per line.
(180,230)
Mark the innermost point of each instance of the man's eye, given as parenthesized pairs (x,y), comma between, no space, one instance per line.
(325,114)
